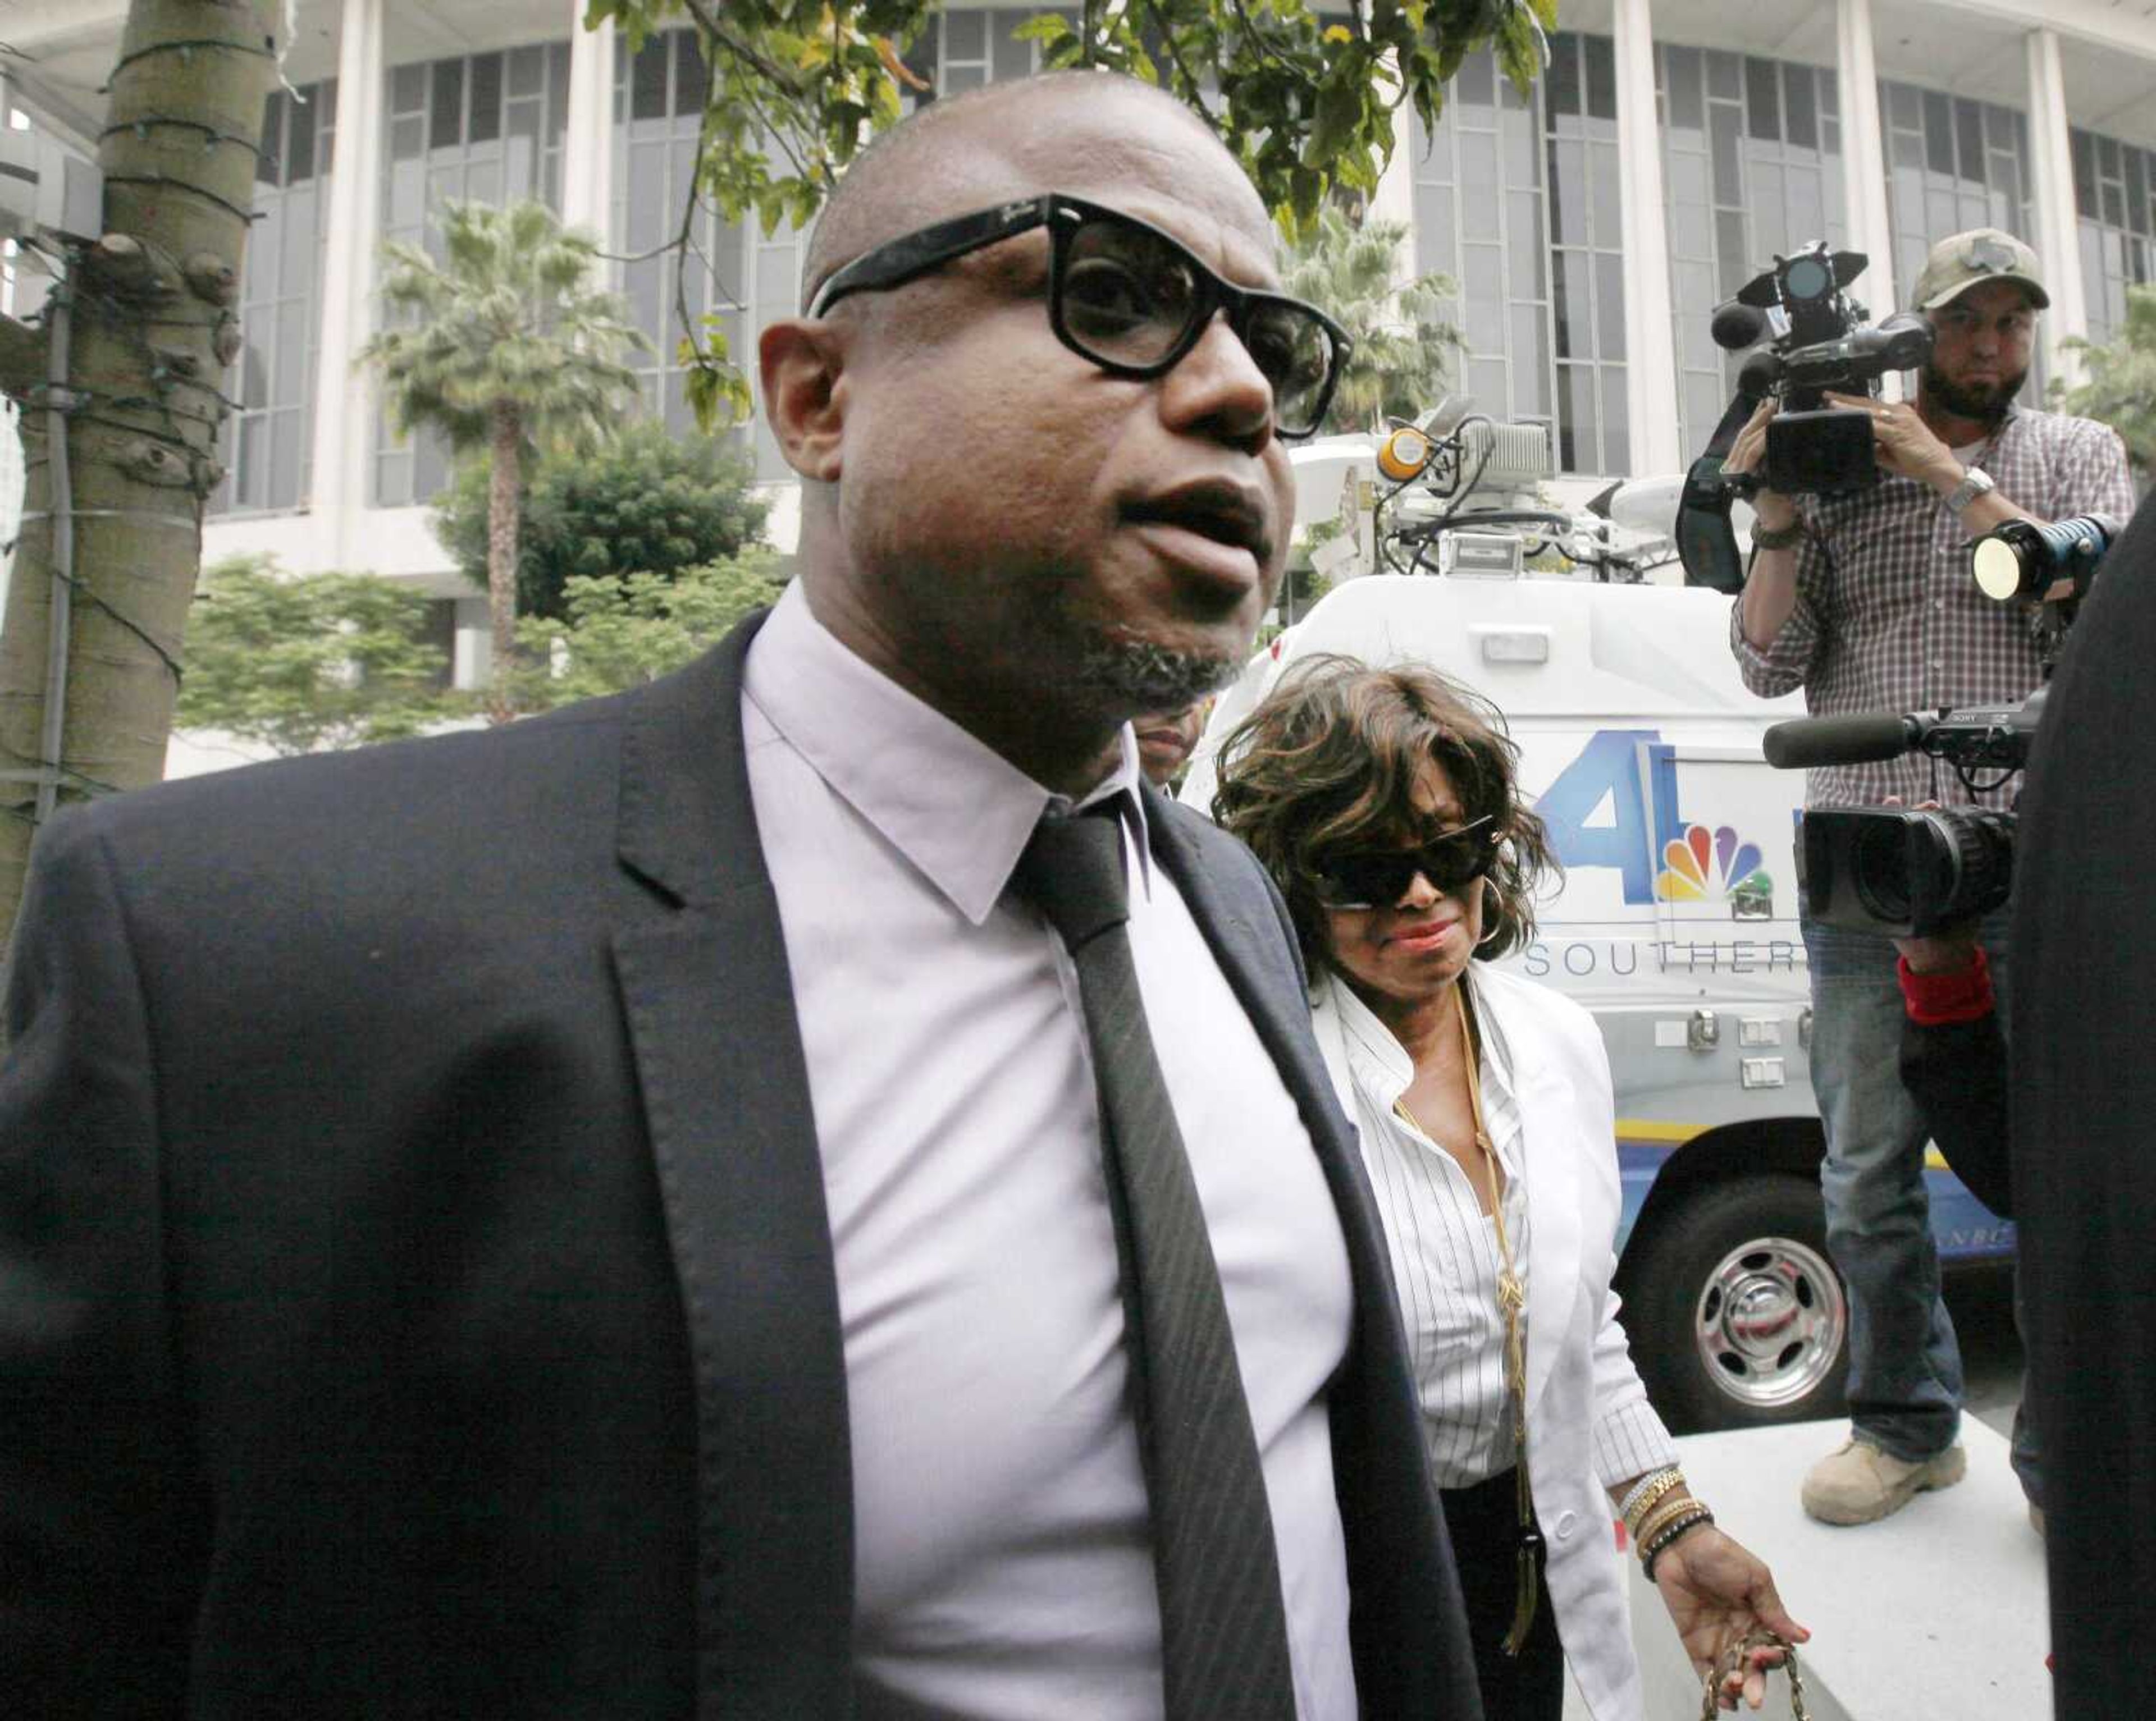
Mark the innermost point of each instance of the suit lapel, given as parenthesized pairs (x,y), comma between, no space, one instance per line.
(1408,1628)
(709,1006)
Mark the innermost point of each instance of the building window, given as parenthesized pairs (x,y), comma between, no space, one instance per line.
(1752,168)
(1587,254)
(743,277)
(2114,184)
(972,48)
(1516,198)
(735,273)
(1479,218)
(267,445)
(484,128)
(1951,164)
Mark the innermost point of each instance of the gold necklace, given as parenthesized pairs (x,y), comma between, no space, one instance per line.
(1512,1304)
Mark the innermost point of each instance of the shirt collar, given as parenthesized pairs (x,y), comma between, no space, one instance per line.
(1385,1061)
(957,809)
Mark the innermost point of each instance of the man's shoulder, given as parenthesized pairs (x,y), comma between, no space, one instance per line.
(468,788)
(417,773)
(2060,430)
(1226,857)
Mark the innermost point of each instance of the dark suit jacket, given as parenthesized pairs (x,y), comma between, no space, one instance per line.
(2084,1096)
(416,1294)
(1957,1074)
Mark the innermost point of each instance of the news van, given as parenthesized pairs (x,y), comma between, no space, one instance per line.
(1675,924)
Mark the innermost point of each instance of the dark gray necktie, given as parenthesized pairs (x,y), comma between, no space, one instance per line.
(1223,1630)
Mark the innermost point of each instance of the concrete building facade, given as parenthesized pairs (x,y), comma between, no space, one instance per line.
(1590,226)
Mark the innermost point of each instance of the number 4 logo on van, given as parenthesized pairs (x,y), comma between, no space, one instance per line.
(1615,806)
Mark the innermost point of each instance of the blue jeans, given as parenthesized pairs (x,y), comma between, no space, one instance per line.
(1905,1379)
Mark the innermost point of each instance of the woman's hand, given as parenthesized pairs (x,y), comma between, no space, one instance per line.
(1717,1591)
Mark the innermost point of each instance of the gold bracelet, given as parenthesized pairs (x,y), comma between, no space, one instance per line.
(1635,1509)
(1665,1511)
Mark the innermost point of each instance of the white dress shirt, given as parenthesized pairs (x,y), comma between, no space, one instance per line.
(1003,1565)
(1444,1247)
(1443,1253)
(1547,1100)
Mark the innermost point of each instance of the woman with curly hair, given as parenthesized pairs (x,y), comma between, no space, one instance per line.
(1384,803)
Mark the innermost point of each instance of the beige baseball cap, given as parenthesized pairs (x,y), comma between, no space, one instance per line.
(1983,253)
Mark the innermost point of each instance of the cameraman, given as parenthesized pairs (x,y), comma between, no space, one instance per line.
(1865,601)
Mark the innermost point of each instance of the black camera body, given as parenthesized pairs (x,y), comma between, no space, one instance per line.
(1903,872)
(1907,872)
(1816,342)
(1820,345)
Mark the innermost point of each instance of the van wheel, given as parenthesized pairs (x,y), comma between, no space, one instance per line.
(1736,1316)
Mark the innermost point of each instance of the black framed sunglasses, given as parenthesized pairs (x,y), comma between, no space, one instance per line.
(1127,297)
(1378,879)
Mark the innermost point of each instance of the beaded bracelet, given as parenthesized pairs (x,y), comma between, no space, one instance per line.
(1671,1506)
(1665,1521)
(1668,1534)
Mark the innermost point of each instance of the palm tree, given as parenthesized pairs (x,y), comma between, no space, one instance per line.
(2121,389)
(504,347)
(1405,342)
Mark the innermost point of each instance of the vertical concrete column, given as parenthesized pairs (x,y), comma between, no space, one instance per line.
(1393,200)
(344,400)
(588,150)
(1650,343)
(1863,154)
(2057,236)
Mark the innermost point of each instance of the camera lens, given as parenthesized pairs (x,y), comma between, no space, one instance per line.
(1879,869)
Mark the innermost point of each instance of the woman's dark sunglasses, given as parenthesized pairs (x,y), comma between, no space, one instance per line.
(1379,878)
(1126,296)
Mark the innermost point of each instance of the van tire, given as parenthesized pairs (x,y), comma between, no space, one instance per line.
(1736,1315)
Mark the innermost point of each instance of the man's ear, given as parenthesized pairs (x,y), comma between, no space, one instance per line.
(803,364)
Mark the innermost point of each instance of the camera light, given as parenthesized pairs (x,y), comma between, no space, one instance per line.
(1808,278)
(1997,566)
(1404,453)
(2024,558)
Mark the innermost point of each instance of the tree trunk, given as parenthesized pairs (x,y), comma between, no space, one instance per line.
(150,331)
(505,488)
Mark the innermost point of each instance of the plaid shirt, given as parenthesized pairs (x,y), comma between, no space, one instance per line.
(1889,619)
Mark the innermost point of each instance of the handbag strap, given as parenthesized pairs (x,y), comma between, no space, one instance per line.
(1732,1658)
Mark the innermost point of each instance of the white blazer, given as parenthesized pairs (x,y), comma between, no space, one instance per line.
(1580,1377)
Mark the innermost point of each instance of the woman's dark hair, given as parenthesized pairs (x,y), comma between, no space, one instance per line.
(1327,763)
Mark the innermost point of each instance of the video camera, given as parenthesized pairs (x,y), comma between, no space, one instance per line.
(1819,343)
(1909,872)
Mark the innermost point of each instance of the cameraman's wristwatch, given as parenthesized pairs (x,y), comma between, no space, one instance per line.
(1974,483)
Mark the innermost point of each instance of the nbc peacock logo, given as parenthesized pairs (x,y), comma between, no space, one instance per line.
(1701,867)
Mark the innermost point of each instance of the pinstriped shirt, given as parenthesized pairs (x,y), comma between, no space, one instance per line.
(1445,1261)
(1889,619)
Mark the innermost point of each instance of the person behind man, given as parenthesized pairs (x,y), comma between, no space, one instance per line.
(1386,804)
(1167,739)
(621,1215)
(1865,601)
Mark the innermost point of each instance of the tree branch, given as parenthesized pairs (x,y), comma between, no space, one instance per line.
(740,48)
